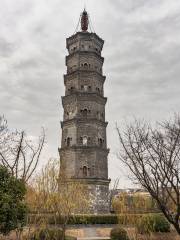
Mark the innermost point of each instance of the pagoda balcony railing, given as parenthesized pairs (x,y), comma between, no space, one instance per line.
(74,69)
(78,91)
(104,147)
(85,117)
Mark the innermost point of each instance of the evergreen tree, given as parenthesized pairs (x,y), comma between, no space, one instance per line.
(13,210)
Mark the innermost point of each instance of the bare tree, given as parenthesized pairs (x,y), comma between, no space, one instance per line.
(18,152)
(112,193)
(153,156)
(58,195)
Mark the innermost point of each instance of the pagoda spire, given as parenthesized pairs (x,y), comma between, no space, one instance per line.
(84,21)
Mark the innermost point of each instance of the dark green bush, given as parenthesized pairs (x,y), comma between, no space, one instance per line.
(13,210)
(93,219)
(124,219)
(76,219)
(119,233)
(152,223)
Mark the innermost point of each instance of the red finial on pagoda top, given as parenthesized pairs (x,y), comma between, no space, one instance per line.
(84,21)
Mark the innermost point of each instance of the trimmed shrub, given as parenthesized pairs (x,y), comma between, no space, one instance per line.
(123,219)
(152,223)
(77,219)
(93,219)
(119,233)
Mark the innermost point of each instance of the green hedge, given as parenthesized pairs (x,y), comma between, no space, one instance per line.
(124,219)
(94,219)
(76,219)
(119,233)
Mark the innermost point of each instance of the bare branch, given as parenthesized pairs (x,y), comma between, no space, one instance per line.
(19,153)
(153,157)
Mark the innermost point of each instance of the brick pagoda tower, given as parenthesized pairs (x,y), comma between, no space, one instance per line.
(83,152)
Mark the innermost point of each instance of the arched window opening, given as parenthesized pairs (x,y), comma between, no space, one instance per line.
(86,88)
(72,89)
(85,140)
(85,171)
(69,141)
(98,89)
(100,142)
(85,112)
(70,113)
(85,65)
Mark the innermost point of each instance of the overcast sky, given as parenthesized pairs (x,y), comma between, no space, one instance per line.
(142,63)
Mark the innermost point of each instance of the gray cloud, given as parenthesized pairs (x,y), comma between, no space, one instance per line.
(142,52)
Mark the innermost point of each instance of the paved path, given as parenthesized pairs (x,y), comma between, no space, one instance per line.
(93,238)
(90,231)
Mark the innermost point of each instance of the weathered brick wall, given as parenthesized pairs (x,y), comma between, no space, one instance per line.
(74,82)
(76,110)
(84,152)
(76,130)
(99,198)
(95,161)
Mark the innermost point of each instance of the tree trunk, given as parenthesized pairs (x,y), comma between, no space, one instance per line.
(177,227)
(63,231)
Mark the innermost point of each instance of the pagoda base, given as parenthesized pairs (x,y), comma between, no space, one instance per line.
(98,191)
